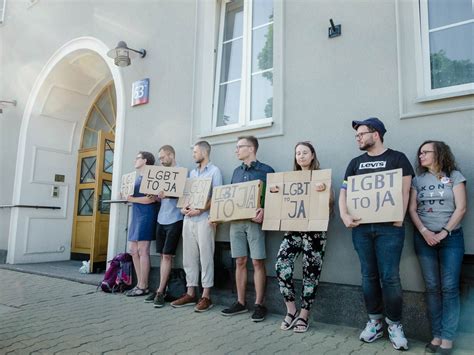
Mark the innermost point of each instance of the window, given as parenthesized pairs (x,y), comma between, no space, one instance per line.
(3,4)
(243,95)
(447,29)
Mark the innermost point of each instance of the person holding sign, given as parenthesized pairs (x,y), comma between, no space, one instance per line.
(168,231)
(199,236)
(311,245)
(142,227)
(437,206)
(378,245)
(248,234)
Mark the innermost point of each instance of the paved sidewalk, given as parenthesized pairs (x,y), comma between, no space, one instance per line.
(47,315)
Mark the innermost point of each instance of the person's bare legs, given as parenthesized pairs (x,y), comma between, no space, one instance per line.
(241,278)
(133,248)
(144,262)
(165,270)
(259,278)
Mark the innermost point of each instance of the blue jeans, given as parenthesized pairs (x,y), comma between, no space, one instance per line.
(380,246)
(441,266)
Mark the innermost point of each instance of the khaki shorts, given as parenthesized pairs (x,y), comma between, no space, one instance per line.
(245,235)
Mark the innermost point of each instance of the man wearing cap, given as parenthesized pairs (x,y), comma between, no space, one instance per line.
(379,245)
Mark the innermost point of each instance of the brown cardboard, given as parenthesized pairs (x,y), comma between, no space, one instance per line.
(235,201)
(170,180)
(376,197)
(195,194)
(293,204)
(128,184)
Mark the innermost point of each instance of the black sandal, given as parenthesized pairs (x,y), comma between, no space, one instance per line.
(301,325)
(288,325)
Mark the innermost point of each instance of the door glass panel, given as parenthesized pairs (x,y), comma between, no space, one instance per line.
(106,195)
(90,139)
(88,170)
(108,157)
(96,121)
(106,109)
(85,206)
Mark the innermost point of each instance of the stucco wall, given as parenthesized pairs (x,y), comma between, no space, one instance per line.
(325,83)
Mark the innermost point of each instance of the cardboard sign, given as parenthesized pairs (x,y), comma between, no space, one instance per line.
(196,193)
(293,204)
(235,201)
(128,184)
(161,178)
(376,197)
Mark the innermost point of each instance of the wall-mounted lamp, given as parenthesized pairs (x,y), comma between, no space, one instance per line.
(4,103)
(334,30)
(122,54)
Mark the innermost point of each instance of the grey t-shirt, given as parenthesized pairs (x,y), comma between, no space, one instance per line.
(435,198)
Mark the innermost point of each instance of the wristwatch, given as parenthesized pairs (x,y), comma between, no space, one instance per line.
(446,230)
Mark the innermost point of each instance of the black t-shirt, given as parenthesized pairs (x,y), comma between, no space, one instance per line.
(388,160)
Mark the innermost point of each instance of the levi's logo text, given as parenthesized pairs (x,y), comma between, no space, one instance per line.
(372,165)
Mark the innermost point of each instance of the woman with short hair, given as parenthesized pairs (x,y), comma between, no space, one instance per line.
(142,227)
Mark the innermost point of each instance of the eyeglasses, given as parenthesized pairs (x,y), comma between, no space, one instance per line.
(241,146)
(424,152)
(361,134)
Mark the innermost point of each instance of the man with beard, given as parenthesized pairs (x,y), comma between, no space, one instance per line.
(379,245)
(168,231)
(199,237)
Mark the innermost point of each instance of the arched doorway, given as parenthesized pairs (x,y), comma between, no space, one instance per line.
(50,138)
(90,229)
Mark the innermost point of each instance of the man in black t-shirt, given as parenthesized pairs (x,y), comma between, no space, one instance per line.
(379,245)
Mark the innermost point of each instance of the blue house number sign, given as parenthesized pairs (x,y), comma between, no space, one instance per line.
(140,92)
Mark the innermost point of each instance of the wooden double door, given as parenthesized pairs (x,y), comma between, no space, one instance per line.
(93,186)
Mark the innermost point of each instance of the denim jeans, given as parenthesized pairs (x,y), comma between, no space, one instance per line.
(441,267)
(379,246)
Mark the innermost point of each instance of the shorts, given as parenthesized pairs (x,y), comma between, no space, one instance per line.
(245,235)
(167,237)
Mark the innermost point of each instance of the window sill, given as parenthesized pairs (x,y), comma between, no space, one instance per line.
(237,129)
(434,97)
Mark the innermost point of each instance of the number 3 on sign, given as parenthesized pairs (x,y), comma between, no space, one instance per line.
(140,91)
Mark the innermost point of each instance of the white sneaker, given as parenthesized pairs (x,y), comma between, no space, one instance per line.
(373,330)
(397,337)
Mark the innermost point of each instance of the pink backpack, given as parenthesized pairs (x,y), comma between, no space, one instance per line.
(119,275)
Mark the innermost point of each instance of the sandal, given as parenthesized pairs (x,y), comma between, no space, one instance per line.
(301,325)
(285,325)
(137,291)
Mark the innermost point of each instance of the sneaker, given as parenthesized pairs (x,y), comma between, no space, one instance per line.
(236,308)
(373,330)
(159,300)
(150,298)
(203,305)
(397,337)
(183,301)
(259,313)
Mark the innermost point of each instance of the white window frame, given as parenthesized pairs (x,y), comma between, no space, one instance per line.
(3,5)
(244,121)
(457,90)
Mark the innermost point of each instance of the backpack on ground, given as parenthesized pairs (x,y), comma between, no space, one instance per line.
(176,286)
(119,275)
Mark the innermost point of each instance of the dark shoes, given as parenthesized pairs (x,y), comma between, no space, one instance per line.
(159,300)
(236,308)
(259,313)
(150,298)
(431,348)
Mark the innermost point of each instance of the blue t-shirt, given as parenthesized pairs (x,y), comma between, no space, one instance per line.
(169,213)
